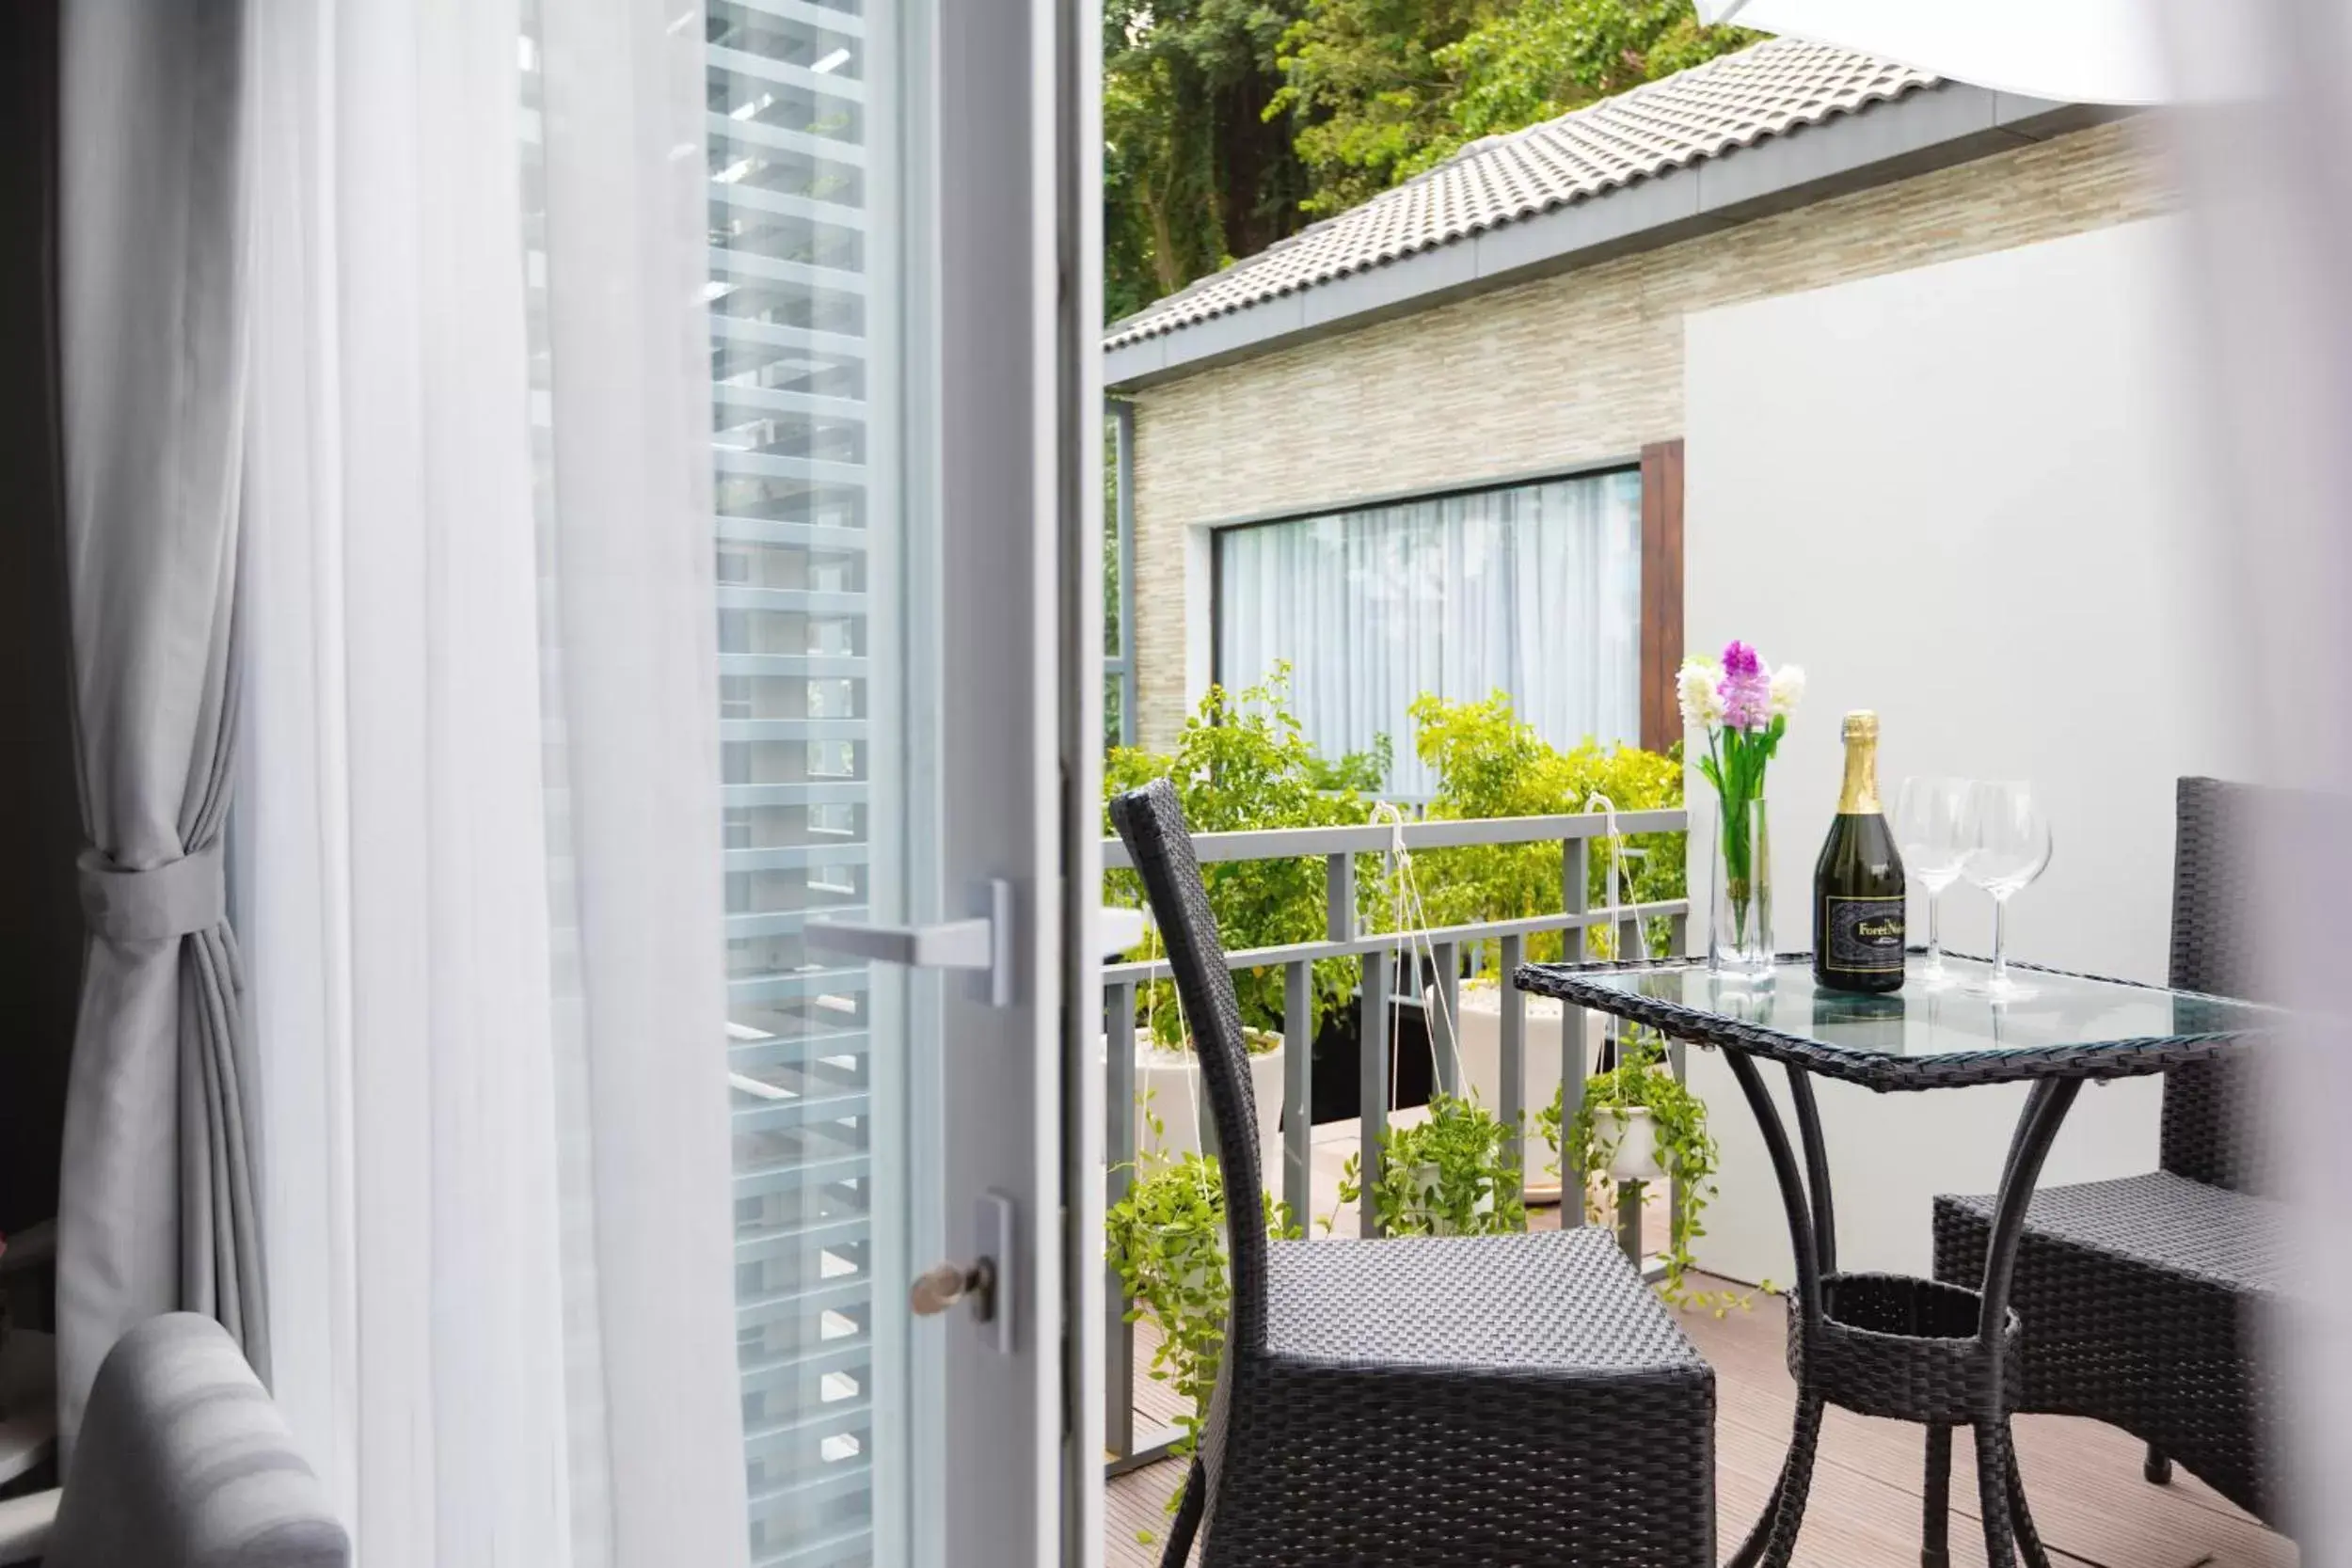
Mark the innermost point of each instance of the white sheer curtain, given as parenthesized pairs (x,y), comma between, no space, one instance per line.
(1534,591)
(2270,185)
(477,831)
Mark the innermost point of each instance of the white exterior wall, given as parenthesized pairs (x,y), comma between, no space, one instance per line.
(1960,496)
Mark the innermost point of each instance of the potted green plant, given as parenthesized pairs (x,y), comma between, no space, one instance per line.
(1166,1240)
(1639,1122)
(1453,1173)
(1171,1099)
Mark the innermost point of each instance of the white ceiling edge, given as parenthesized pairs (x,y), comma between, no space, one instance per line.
(2072,50)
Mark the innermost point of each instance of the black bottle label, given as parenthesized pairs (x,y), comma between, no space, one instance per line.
(1866,935)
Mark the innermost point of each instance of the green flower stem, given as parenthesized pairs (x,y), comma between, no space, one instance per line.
(1735,764)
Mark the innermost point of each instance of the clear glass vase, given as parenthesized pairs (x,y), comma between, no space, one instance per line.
(1739,916)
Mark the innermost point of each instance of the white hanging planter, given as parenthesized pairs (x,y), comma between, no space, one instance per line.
(1167,1084)
(1633,1135)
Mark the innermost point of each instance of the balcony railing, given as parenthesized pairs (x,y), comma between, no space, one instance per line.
(1382,955)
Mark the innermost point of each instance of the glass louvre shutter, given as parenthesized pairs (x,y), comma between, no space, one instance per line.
(803,310)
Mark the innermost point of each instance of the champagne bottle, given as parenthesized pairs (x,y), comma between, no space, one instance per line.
(1858,881)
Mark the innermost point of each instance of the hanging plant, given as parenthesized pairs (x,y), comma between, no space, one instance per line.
(1456,1173)
(1641,1095)
(1165,1240)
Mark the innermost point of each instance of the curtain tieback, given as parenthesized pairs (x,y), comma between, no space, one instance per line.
(169,900)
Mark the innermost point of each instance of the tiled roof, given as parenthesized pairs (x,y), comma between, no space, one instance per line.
(1732,101)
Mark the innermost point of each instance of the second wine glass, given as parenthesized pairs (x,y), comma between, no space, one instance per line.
(1929,817)
(2007,841)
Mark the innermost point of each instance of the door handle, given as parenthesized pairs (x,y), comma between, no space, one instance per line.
(983,943)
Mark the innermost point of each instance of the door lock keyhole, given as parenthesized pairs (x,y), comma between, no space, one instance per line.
(937,1289)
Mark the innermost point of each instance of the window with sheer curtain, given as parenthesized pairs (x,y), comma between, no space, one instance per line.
(1532,590)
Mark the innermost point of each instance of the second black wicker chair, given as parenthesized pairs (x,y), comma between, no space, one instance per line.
(1419,1400)
(2144,1298)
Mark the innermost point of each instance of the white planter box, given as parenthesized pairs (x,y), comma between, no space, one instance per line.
(1478,1024)
(1168,1084)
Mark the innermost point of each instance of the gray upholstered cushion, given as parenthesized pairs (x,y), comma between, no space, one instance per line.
(183,1462)
(24,1526)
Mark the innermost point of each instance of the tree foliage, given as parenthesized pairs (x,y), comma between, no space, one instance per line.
(1386,88)
(1228,124)
(1368,82)
(1538,60)
(1195,171)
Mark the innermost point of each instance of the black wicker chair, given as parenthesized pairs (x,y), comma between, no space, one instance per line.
(1419,1400)
(2143,1300)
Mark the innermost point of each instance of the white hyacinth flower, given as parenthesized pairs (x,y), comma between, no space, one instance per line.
(1788,687)
(1702,702)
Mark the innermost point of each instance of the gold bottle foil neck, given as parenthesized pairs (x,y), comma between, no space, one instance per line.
(1858,796)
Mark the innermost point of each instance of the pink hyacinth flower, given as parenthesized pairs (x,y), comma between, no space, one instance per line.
(1747,689)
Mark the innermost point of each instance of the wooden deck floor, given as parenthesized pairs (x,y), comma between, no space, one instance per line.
(2082,1479)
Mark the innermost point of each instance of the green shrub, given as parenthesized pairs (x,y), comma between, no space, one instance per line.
(1488,764)
(1241,763)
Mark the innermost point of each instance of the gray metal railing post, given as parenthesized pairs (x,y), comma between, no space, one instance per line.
(1675,1064)
(1572,1070)
(1628,942)
(1514,1054)
(1372,1083)
(1118,1145)
(1445,1042)
(1677,938)
(1575,896)
(1575,900)
(1629,1219)
(1298,1061)
(1339,896)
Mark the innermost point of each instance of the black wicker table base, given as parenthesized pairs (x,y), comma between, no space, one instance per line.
(1901,1347)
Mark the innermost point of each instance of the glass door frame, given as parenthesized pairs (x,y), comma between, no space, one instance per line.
(1019,723)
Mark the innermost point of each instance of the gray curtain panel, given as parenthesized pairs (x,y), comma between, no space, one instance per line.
(156,1205)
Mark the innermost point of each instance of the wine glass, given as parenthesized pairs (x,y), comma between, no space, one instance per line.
(2008,843)
(1929,816)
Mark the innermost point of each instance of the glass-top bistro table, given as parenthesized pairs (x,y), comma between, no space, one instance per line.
(1887,1344)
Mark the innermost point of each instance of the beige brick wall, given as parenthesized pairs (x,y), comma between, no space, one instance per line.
(1579,366)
